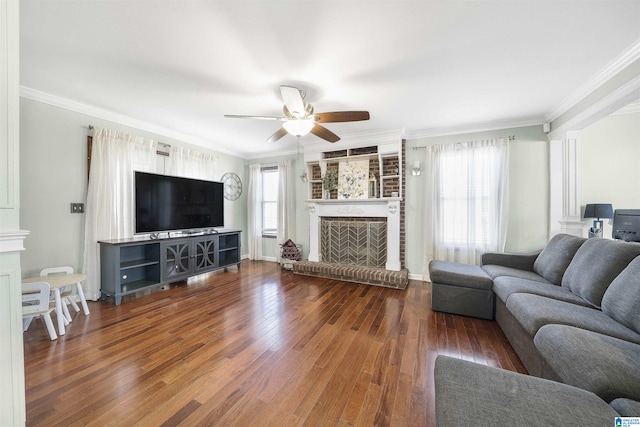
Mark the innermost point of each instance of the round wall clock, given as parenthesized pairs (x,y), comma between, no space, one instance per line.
(232,186)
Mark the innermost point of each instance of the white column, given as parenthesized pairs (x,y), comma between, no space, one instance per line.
(393,236)
(314,233)
(12,388)
(564,206)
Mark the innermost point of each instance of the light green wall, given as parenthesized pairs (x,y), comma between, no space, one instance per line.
(609,164)
(54,170)
(53,163)
(528,192)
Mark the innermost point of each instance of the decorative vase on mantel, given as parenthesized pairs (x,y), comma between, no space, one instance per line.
(329,182)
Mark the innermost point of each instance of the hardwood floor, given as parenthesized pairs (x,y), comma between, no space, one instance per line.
(255,346)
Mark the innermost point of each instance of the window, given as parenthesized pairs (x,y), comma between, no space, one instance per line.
(465,196)
(269,201)
(470,199)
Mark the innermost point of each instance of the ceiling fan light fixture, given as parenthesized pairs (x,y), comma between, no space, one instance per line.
(299,127)
(300,119)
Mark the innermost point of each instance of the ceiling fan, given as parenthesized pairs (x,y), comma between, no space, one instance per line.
(300,119)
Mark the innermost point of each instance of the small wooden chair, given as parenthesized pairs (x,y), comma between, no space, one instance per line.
(36,303)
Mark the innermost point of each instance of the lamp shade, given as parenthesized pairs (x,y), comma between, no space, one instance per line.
(598,210)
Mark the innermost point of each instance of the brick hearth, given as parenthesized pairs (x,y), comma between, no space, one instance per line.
(352,273)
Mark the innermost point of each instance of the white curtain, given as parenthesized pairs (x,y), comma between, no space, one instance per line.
(254,212)
(467,200)
(189,163)
(286,203)
(109,212)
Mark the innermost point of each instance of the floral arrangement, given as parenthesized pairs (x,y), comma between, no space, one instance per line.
(330,180)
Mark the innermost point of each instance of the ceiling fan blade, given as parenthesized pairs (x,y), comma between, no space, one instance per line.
(277,135)
(342,116)
(324,133)
(293,100)
(233,116)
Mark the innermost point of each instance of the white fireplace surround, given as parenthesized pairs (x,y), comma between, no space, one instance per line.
(388,208)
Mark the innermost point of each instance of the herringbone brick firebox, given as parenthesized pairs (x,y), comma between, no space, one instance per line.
(354,241)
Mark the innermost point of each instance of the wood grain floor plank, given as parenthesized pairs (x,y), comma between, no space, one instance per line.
(253,346)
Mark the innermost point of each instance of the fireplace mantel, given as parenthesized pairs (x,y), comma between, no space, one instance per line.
(388,208)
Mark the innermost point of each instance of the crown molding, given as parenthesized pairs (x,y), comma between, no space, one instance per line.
(609,104)
(123,119)
(628,109)
(477,127)
(618,64)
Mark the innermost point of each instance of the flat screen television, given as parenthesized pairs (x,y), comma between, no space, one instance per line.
(171,203)
(626,225)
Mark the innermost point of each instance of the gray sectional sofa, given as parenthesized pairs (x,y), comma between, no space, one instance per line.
(470,394)
(571,311)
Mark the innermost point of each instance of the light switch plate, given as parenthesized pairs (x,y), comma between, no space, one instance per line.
(77,207)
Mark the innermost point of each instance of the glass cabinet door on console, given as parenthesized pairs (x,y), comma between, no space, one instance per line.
(176,261)
(205,253)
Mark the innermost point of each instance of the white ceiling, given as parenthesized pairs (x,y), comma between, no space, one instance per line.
(179,66)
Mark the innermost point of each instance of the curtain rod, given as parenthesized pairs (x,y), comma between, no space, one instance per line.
(161,145)
(423,147)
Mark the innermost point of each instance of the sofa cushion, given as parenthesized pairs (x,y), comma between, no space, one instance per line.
(468,393)
(505,286)
(621,301)
(458,274)
(498,270)
(626,407)
(606,366)
(534,311)
(595,265)
(556,257)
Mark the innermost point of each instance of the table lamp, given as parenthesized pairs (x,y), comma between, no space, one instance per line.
(598,210)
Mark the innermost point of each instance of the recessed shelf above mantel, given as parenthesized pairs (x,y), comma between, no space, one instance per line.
(384,152)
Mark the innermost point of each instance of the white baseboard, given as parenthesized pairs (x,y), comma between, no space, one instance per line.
(413,276)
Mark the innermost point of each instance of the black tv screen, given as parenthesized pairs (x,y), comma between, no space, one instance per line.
(626,225)
(171,203)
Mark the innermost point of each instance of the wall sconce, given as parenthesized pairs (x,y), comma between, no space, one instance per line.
(415,169)
(304,177)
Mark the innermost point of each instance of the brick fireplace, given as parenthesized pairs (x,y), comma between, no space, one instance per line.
(388,209)
(358,239)
(365,213)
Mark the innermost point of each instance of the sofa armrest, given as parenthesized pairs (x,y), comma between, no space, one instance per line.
(468,393)
(513,260)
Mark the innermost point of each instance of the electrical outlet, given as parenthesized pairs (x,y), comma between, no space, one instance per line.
(77,207)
